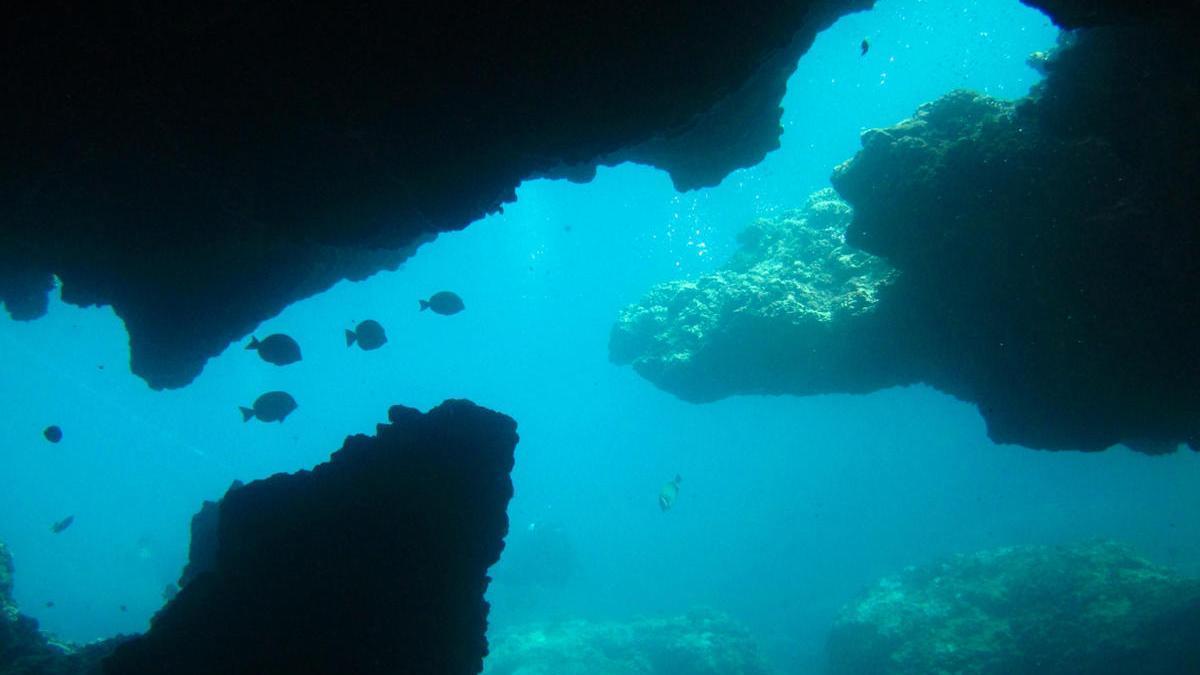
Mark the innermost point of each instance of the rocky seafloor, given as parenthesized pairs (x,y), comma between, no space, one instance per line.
(700,642)
(1085,608)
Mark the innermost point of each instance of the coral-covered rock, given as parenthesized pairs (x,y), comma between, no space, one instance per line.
(374,562)
(794,311)
(1043,263)
(25,650)
(702,642)
(1088,608)
(198,170)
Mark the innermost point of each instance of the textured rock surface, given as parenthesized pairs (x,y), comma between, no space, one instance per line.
(199,170)
(1089,608)
(1050,249)
(794,311)
(702,642)
(1045,256)
(374,562)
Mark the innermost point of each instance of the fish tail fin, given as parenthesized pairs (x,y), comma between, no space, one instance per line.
(350,338)
(253,343)
(247,413)
(424,304)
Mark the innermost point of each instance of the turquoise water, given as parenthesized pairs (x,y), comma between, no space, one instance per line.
(788,506)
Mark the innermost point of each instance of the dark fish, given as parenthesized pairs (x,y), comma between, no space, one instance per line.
(444,303)
(49,604)
(124,608)
(169,592)
(368,334)
(273,406)
(62,524)
(278,349)
(668,493)
(866,46)
(53,433)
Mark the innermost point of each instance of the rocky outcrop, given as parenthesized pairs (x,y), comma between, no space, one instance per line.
(1089,608)
(25,650)
(1043,258)
(702,642)
(795,311)
(374,562)
(200,170)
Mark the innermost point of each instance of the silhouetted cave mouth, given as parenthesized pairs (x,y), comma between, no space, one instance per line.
(201,169)
(373,562)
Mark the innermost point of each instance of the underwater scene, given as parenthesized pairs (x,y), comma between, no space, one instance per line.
(916,391)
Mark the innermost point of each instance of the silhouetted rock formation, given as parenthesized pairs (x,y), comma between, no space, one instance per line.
(1045,257)
(1091,608)
(701,642)
(199,170)
(374,562)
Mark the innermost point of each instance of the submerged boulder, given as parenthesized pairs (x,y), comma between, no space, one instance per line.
(1089,608)
(701,642)
(373,562)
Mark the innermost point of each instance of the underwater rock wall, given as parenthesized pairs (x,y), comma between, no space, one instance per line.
(1049,249)
(199,170)
(1088,608)
(1043,256)
(374,562)
(701,642)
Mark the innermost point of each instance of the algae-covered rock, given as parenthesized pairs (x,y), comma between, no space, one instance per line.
(1086,608)
(702,642)
(785,315)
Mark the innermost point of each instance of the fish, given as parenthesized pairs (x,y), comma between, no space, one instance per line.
(169,592)
(866,46)
(278,348)
(444,303)
(53,433)
(124,608)
(668,493)
(49,604)
(62,524)
(273,406)
(368,334)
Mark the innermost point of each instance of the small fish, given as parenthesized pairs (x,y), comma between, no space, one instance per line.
(278,349)
(53,433)
(62,524)
(169,592)
(668,493)
(866,46)
(273,406)
(368,334)
(444,303)
(124,608)
(49,604)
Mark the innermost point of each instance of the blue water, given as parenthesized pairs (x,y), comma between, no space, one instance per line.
(788,506)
